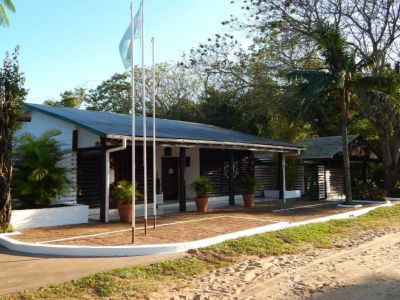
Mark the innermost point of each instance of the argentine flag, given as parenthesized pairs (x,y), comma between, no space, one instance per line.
(125,46)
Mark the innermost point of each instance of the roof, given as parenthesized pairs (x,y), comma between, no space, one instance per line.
(111,125)
(324,147)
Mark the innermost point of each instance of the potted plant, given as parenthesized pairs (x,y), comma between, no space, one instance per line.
(122,194)
(202,186)
(250,186)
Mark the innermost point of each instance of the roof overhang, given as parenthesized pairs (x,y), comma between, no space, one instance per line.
(213,144)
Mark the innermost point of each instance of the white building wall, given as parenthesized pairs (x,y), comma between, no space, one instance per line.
(40,123)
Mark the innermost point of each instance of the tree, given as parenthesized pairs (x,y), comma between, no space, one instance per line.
(176,92)
(379,95)
(12,95)
(38,177)
(72,99)
(333,82)
(5,4)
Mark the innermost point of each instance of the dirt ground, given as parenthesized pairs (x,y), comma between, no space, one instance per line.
(366,267)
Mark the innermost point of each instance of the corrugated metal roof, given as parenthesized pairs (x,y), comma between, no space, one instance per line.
(106,124)
(324,147)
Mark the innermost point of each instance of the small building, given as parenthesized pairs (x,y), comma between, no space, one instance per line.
(322,165)
(184,151)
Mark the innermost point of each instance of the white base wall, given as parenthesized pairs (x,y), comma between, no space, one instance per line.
(52,216)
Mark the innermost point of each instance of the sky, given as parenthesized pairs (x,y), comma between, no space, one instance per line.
(74,43)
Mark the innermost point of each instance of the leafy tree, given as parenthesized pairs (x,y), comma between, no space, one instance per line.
(12,95)
(379,95)
(72,99)
(38,177)
(334,81)
(176,93)
(5,4)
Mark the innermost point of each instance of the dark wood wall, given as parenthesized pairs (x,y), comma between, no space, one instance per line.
(213,164)
(89,177)
(121,162)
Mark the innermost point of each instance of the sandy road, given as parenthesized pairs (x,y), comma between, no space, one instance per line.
(367,267)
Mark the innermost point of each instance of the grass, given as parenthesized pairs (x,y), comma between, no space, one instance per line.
(7,230)
(140,281)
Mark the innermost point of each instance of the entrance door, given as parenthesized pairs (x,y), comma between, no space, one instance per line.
(169,167)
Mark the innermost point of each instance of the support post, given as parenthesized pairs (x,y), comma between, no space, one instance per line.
(231,179)
(181,179)
(104,167)
(282,177)
(364,172)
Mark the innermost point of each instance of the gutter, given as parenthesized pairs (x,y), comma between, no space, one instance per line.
(107,166)
(201,142)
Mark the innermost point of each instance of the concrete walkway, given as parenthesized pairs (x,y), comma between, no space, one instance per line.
(19,271)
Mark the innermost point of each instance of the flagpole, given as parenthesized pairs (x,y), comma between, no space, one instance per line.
(154,140)
(144,123)
(133,127)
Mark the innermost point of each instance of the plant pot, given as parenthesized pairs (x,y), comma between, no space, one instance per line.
(125,212)
(202,203)
(248,200)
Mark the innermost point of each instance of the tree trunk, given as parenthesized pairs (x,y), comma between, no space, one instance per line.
(5,196)
(345,143)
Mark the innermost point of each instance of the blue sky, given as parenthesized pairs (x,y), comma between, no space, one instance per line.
(70,43)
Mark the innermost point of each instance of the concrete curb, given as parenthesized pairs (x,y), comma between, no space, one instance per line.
(141,250)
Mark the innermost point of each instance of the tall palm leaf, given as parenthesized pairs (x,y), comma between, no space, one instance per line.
(5,4)
(340,67)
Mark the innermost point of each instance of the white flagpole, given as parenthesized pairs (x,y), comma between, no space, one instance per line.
(144,123)
(154,140)
(133,127)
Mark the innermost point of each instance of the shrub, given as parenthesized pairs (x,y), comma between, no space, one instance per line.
(122,192)
(202,186)
(38,178)
(250,185)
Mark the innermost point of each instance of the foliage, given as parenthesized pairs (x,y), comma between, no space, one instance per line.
(39,179)
(250,185)
(72,99)
(368,190)
(122,192)
(12,95)
(140,282)
(5,4)
(202,186)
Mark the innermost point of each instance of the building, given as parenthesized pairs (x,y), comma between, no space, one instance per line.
(184,151)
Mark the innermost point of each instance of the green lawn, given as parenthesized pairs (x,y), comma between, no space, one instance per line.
(139,281)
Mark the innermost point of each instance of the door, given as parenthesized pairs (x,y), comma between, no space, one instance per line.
(169,167)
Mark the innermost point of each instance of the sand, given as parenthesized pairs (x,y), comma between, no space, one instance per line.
(366,267)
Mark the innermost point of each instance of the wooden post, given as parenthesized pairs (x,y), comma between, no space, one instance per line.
(364,172)
(181,179)
(103,148)
(231,179)
(281,177)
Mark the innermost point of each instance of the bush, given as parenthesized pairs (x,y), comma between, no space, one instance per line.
(250,185)
(38,179)
(202,186)
(122,192)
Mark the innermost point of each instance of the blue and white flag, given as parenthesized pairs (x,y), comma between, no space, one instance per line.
(125,46)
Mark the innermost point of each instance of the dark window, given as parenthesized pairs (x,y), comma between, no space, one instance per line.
(187,161)
(167,151)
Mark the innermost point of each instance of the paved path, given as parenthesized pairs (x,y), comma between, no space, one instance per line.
(20,271)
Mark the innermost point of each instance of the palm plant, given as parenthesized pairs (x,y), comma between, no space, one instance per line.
(38,178)
(5,4)
(334,82)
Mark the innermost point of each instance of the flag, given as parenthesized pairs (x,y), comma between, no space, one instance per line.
(125,46)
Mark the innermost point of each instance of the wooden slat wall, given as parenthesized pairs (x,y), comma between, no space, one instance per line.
(335,182)
(321,182)
(295,179)
(267,175)
(212,164)
(122,165)
(89,177)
